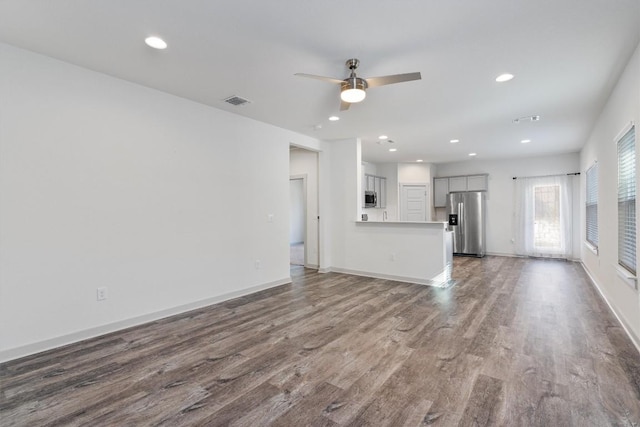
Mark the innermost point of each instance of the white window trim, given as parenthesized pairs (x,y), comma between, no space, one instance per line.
(587,243)
(627,277)
(624,131)
(591,247)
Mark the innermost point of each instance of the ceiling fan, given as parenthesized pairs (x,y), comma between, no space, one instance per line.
(352,89)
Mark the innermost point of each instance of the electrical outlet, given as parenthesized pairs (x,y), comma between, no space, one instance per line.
(270,218)
(257,264)
(101,293)
(393,257)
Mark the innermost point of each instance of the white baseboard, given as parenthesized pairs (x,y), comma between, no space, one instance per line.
(311,266)
(632,336)
(503,254)
(524,256)
(29,349)
(430,282)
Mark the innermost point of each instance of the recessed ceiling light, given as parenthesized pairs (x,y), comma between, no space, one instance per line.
(453,141)
(504,77)
(393,149)
(525,141)
(334,118)
(472,154)
(419,160)
(156,42)
(383,137)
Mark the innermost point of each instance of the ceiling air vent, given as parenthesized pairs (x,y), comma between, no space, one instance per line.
(236,100)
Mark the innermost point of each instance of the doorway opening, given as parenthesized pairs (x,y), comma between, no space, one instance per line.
(304,219)
(547,234)
(544,216)
(297,223)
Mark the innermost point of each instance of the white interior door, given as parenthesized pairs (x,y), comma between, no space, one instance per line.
(413,202)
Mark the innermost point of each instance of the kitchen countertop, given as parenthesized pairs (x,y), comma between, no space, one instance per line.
(402,222)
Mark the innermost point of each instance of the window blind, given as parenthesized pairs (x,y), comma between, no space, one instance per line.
(592,205)
(627,201)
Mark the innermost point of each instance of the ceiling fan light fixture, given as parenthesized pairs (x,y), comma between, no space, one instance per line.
(353,90)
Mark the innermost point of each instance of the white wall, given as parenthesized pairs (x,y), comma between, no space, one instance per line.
(414,173)
(305,162)
(500,195)
(622,107)
(107,183)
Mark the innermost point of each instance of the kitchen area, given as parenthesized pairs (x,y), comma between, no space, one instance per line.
(399,232)
(444,218)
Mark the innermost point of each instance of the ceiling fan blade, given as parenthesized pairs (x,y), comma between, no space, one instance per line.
(325,79)
(344,105)
(396,78)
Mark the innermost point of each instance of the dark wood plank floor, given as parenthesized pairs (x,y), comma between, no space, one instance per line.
(515,342)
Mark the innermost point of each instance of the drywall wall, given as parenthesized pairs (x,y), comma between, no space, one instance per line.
(104,183)
(622,107)
(305,162)
(500,195)
(414,173)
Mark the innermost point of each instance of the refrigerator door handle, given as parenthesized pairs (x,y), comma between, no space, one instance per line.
(461,228)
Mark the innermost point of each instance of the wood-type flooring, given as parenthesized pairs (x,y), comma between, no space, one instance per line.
(515,342)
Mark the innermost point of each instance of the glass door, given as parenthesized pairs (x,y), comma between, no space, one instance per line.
(547,234)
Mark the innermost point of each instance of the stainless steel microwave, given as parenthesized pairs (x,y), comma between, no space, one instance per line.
(370,199)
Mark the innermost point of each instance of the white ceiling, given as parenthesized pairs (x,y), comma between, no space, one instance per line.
(566,56)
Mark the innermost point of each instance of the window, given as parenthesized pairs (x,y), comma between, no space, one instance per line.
(592,205)
(627,201)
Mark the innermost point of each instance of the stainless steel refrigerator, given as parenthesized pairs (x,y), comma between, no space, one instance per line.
(466,216)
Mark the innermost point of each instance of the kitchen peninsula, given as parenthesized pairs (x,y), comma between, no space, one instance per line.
(410,251)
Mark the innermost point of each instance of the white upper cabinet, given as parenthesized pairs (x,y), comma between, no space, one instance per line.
(445,185)
(457,183)
(440,191)
(477,183)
